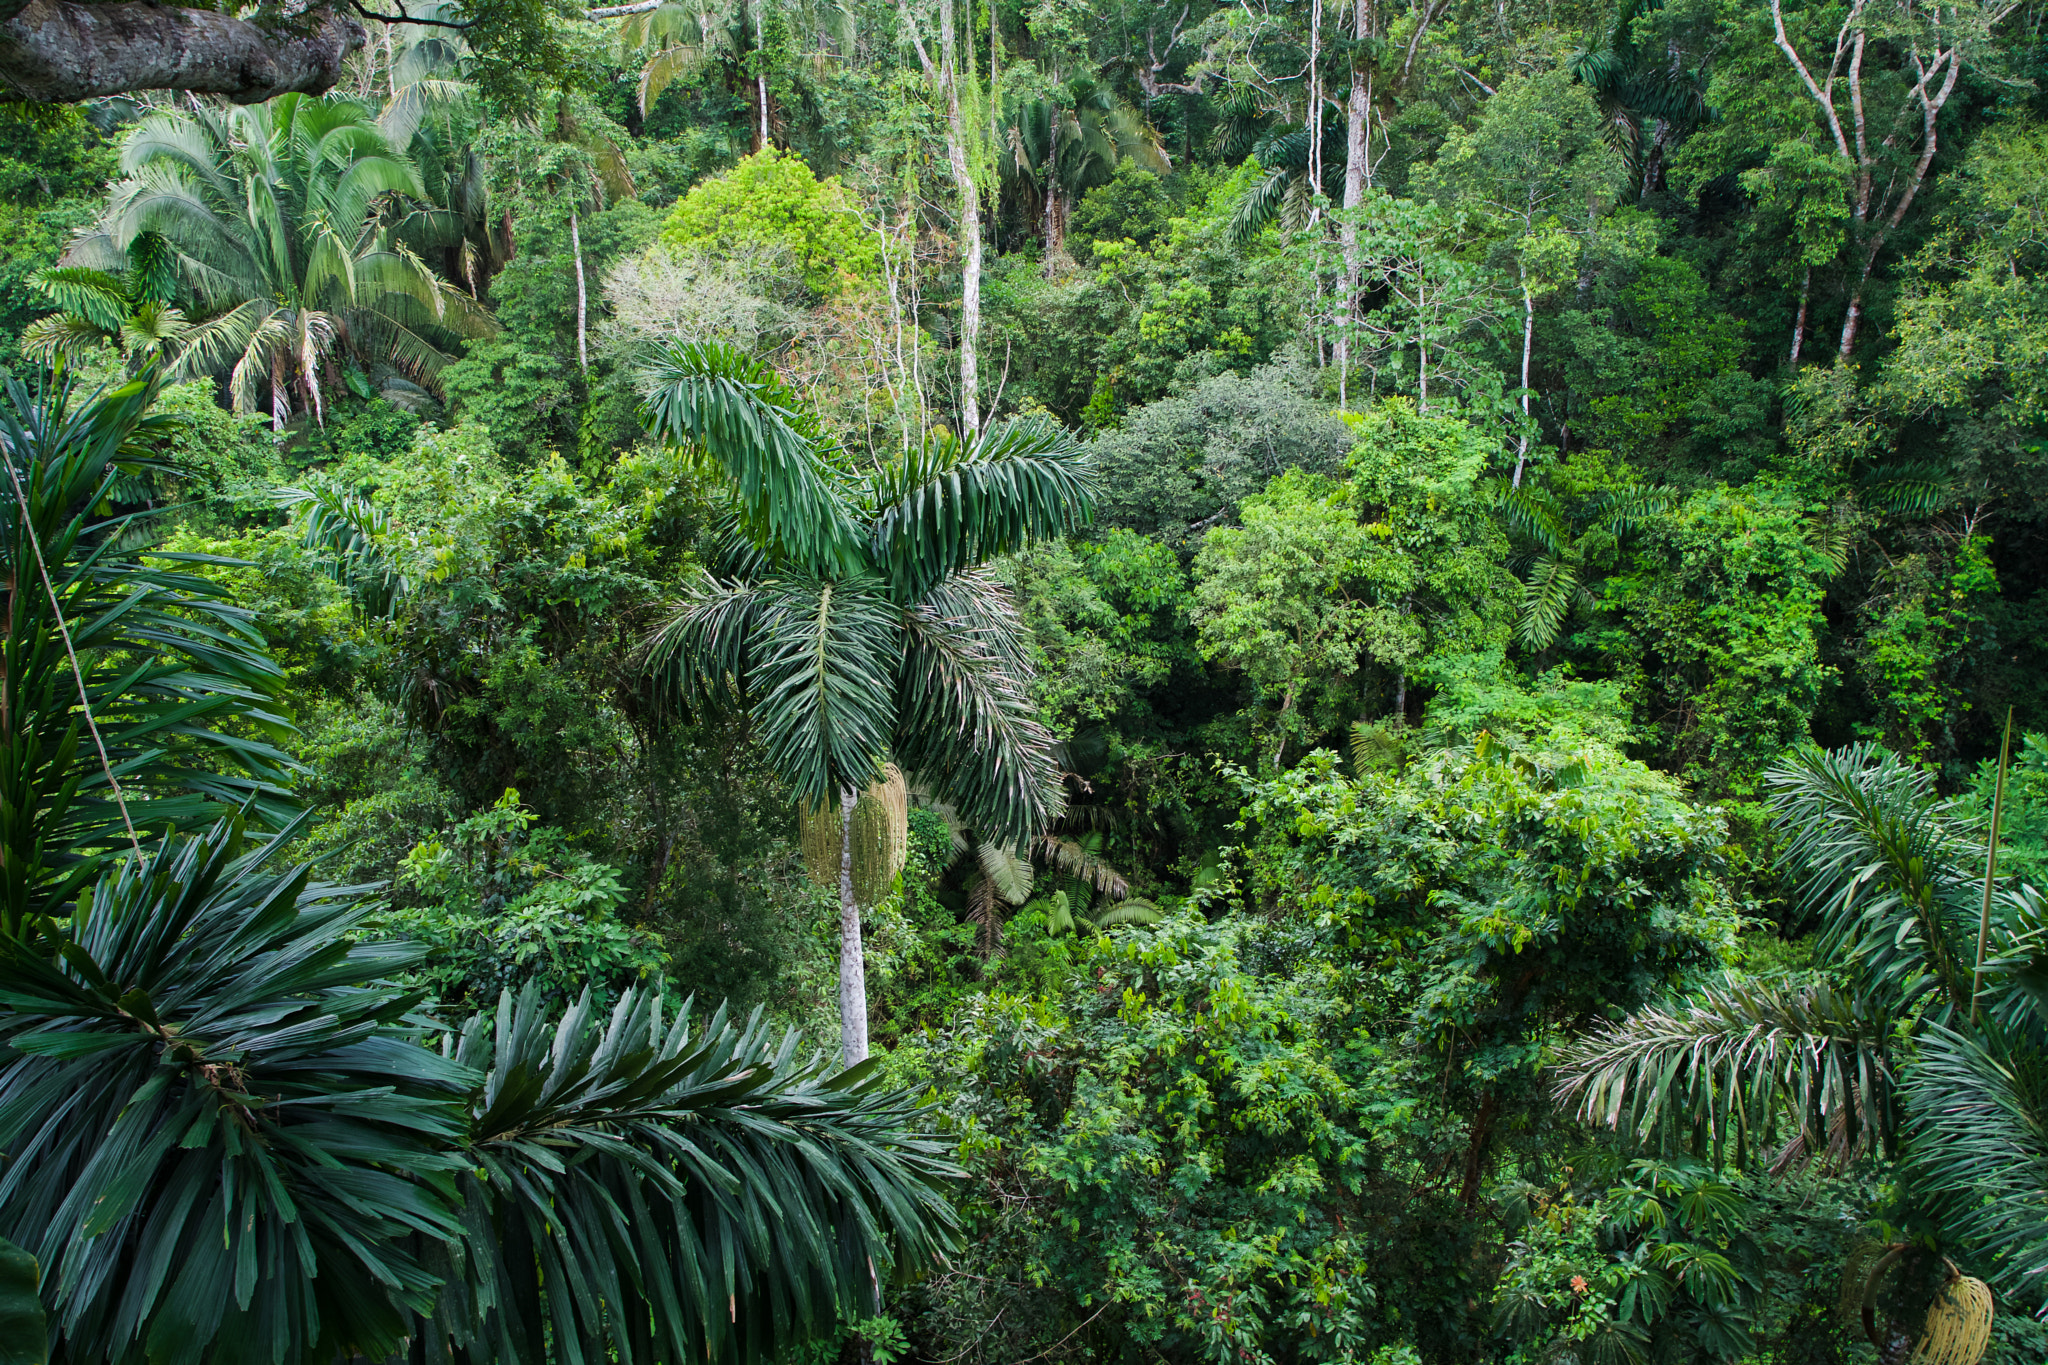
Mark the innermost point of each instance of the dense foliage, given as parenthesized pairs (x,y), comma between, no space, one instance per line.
(1391,653)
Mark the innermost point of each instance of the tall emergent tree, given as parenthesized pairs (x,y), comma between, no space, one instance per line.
(855,617)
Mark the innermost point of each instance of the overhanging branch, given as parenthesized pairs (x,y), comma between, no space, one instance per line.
(56,51)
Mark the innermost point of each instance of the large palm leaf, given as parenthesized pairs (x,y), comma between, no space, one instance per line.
(726,1199)
(182,694)
(275,216)
(215,1132)
(1980,1149)
(1888,870)
(1742,1065)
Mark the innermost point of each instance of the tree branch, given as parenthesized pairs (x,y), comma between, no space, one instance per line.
(403,18)
(620,11)
(57,51)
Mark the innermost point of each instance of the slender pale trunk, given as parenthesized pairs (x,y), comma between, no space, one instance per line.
(1799,324)
(1357,175)
(970,227)
(582,296)
(1528,342)
(1315,107)
(853,974)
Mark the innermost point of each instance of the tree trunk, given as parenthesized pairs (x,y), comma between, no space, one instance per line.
(280,392)
(853,976)
(1528,341)
(1799,324)
(582,298)
(970,225)
(1357,176)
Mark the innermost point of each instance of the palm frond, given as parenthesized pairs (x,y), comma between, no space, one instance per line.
(180,686)
(215,1135)
(735,411)
(821,681)
(947,507)
(1010,875)
(1730,1064)
(1980,1151)
(1887,868)
(727,1202)
(352,535)
(967,727)
(1548,596)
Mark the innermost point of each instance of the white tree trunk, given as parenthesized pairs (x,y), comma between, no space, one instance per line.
(582,297)
(1528,342)
(853,974)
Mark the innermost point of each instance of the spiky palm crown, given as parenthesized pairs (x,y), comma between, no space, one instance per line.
(856,616)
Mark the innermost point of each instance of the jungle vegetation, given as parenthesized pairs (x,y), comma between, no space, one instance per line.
(977,682)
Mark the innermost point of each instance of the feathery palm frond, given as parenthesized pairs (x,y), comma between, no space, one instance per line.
(352,534)
(949,506)
(717,401)
(1729,1063)
(728,1200)
(1886,868)
(215,1132)
(1980,1149)
(966,725)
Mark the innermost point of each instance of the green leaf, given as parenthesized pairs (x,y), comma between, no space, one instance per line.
(24,1335)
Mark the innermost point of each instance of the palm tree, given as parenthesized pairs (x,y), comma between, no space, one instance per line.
(1054,147)
(131,308)
(1284,195)
(1630,89)
(273,214)
(1556,546)
(1908,1058)
(855,618)
(224,1134)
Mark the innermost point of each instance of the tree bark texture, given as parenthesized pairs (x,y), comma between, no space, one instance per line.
(853,972)
(55,52)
